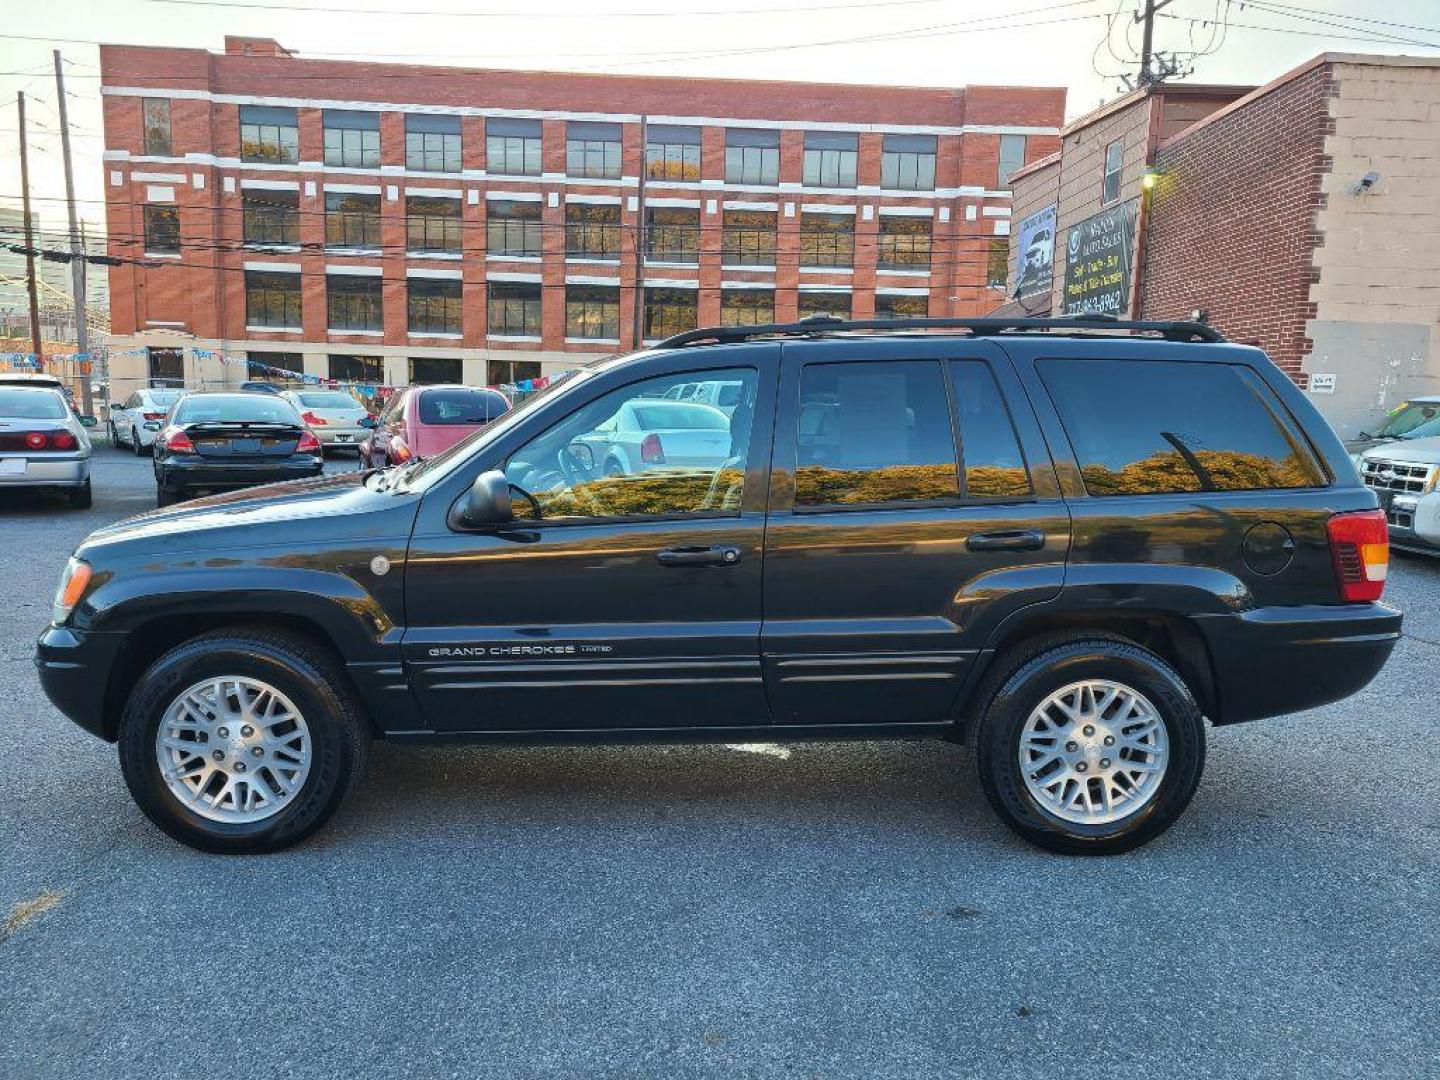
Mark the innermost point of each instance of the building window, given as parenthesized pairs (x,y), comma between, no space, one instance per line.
(352,139)
(513,228)
(512,147)
(433,306)
(155,122)
(907,163)
(435,370)
(272,299)
(748,238)
(592,150)
(284,361)
(352,221)
(270,217)
(515,308)
(510,372)
(592,311)
(899,306)
(997,262)
(747,307)
(432,223)
(830,159)
(357,369)
(162,229)
(592,231)
(904,243)
(672,152)
(827,239)
(167,366)
(672,234)
(1012,157)
(1114,167)
(836,303)
(752,156)
(670,311)
(269,133)
(354,302)
(432,143)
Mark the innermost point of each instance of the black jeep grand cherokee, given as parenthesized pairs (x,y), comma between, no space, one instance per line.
(1066,543)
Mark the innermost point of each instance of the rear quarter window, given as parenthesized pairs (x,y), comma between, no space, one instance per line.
(1145,427)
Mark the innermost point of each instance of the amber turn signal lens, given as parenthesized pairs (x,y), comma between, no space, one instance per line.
(72,587)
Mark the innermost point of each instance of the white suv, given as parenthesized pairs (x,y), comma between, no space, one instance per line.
(1403,475)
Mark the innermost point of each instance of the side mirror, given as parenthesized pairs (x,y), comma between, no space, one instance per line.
(583,454)
(88,421)
(369,422)
(486,503)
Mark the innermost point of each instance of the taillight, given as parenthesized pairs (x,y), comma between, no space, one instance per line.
(63,440)
(36,440)
(651,452)
(1360,549)
(399,452)
(176,441)
(153,415)
(313,420)
(308,443)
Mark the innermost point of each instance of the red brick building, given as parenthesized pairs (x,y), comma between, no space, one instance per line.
(387,223)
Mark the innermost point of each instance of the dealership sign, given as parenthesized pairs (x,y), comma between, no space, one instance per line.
(1035,261)
(1097,262)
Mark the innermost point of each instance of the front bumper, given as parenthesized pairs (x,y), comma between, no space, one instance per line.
(177,472)
(74,668)
(46,470)
(1278,660)
(1415,523)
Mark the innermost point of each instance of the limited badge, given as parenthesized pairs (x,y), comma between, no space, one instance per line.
(379,566)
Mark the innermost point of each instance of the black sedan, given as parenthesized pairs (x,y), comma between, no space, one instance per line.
(232,439)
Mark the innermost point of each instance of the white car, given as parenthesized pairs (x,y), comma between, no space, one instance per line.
(724,394)
(1404,474)
(43,444)
(334,416)
(135,421)
(651,432)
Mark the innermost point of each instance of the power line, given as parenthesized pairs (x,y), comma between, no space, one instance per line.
(651,14)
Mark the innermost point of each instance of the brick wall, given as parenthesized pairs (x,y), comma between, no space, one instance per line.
(1231,227)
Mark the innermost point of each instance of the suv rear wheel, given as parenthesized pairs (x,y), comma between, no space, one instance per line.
(241,741)
(1089,745)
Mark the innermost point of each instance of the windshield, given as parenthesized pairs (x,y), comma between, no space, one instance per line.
(427,471)
(1407,416)
(461,406)
(164,397)
(31,404)
(1427,430)
(235,408)
(329,399)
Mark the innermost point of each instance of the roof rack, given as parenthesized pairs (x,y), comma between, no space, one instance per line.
(984,327)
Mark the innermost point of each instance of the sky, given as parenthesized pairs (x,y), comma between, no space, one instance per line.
(1083,45)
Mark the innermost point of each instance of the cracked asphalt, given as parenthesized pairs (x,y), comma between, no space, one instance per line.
(825,910)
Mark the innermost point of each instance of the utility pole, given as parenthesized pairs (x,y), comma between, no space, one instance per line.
(78,264)
(1152,8)
(29,239)
(638,329)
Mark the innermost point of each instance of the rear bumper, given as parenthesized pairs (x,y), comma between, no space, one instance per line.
(179,473)
(48,470)
(340,436)
(1284,659)
(74,669)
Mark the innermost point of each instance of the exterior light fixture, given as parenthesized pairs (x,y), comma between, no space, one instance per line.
(1149,177)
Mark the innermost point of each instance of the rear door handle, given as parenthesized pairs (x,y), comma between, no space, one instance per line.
(718,555)
(1010,540)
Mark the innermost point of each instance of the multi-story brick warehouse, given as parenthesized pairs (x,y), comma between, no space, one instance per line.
(387,223)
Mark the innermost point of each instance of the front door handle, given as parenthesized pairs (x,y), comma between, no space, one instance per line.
(1009,540)
(718,555)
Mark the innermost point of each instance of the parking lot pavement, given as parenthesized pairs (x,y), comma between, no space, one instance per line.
(825,910)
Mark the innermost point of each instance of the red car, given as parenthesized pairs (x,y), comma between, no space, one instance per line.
(424,420)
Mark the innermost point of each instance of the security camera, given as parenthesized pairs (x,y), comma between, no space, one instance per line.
(1368,181)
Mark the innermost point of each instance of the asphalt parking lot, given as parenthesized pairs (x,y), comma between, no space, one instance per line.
(825,910)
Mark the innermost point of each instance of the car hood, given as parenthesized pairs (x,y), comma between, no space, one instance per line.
(298,512)
(1414,451)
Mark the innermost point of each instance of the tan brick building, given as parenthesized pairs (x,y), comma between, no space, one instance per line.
(388,224)
(1302,216)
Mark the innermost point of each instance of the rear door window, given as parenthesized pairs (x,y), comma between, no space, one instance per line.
(994,466)
(874,432)
(1143,427)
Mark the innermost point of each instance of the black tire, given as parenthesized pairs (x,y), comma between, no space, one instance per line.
(81,497)
(1022,682)
(301,670)
(135,442)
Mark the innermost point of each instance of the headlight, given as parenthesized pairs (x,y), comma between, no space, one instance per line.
(72,587)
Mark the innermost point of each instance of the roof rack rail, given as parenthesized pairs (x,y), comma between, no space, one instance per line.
(982,327)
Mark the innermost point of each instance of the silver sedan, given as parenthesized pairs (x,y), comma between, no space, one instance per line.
(43,443)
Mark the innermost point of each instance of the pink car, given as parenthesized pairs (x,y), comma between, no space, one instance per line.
(424,420)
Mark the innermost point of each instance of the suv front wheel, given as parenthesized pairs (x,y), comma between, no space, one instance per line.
(1089,745)
(241,741)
